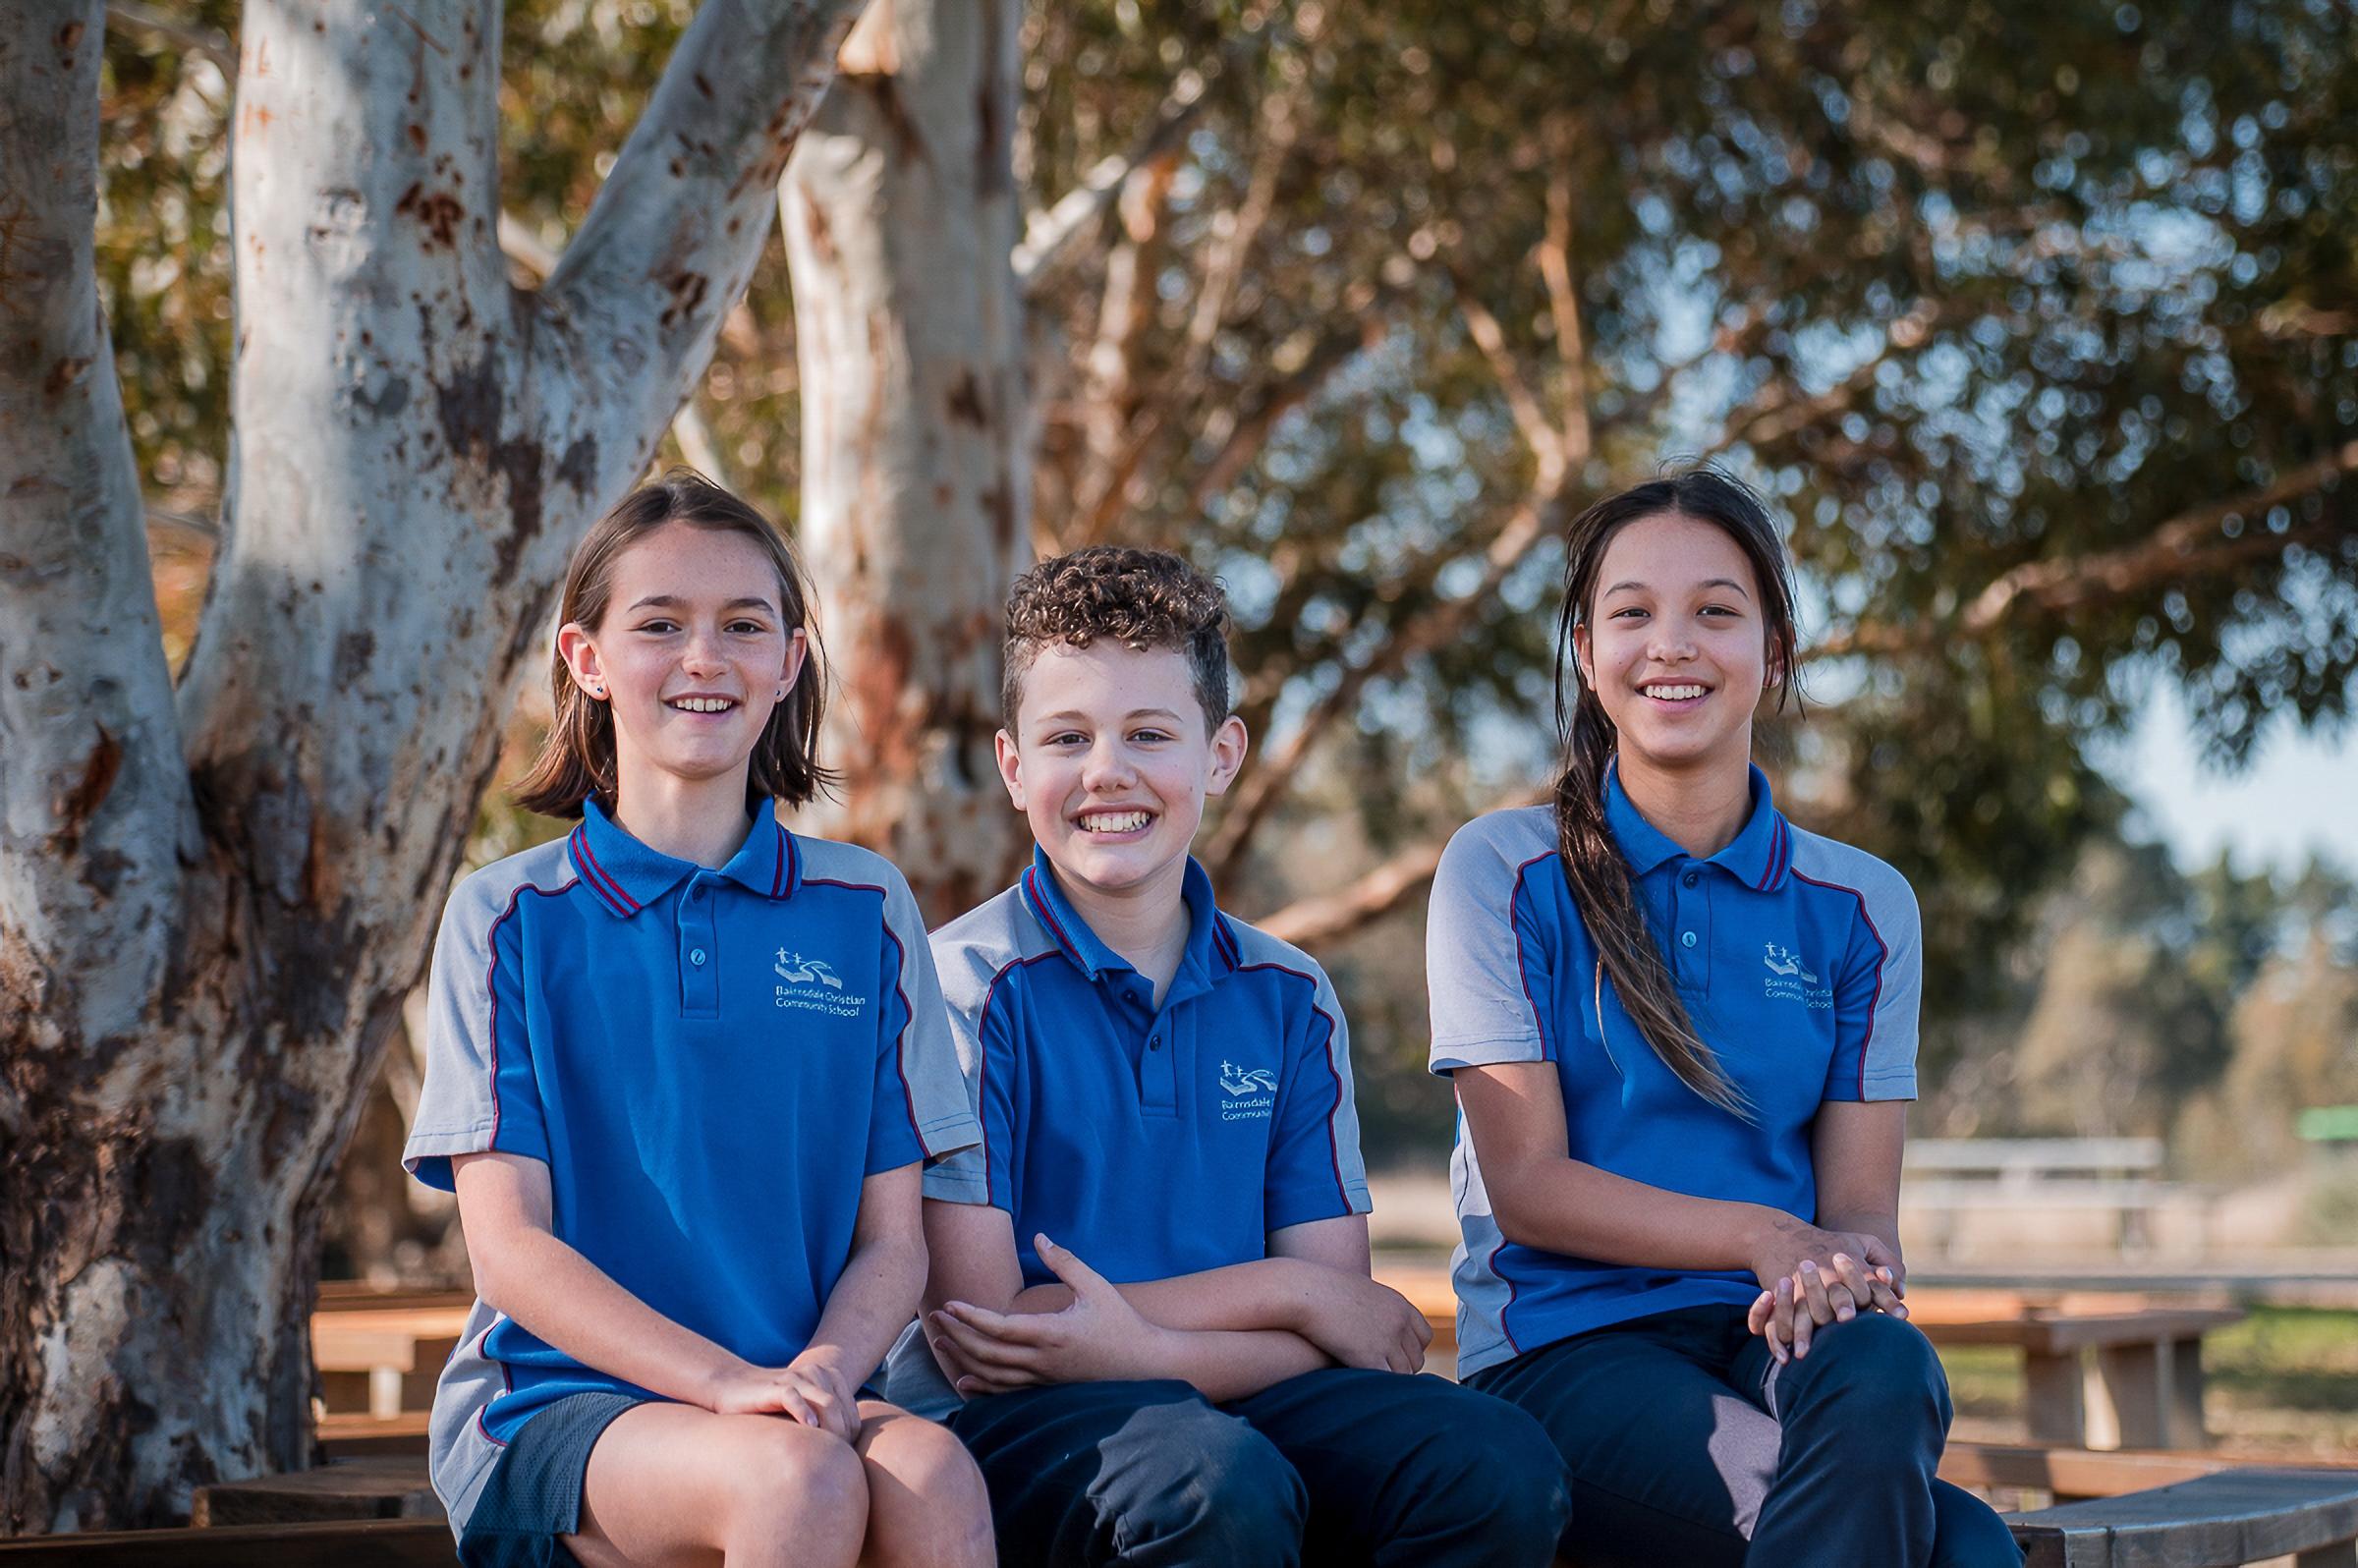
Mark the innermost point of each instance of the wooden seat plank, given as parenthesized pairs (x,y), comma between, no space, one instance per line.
(375,1486)
(2222,1520)
(357,1543)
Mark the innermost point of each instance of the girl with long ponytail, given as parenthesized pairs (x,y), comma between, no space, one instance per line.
(1682,1033)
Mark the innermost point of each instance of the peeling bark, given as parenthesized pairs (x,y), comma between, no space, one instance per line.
(213,902)
(900,216)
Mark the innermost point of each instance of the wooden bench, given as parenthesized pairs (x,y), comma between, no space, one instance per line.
(1947,1178)
(384,1359)
(2101,1371)
(2221,1519)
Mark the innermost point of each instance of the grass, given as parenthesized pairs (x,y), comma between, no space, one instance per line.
(2283,1381)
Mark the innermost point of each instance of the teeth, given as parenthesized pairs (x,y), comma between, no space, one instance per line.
(1115,821)
(1674,693)
(704,704)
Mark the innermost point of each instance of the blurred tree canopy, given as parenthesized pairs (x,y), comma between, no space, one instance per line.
(2038,322)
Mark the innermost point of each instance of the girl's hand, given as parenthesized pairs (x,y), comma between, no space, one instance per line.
(1100,1335)
(1811,1277)
(1361,1323)
(811,1388)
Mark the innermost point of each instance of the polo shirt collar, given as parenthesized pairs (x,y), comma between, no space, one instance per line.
(1758,857)
(627,876)
(1210,950)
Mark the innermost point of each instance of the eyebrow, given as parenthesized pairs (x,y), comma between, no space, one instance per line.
(1715,582)
(669,601)
(1069,714)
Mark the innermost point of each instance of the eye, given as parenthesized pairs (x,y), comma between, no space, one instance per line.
(1065,737)
(746,628)
(1150,737)
(1627,612)
(660,625)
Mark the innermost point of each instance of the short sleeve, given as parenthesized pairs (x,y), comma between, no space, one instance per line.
(921,1108)
(481,1092)
(1314,1169)
(1479,930)
(1879,994)
(978,1017)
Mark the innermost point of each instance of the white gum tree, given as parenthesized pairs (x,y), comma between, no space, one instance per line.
(901,214)
(214,897)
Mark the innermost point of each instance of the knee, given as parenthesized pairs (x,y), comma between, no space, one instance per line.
(789,1483)
(1220,1490)
(1876,1359)
(1496,1463)
(927,1502)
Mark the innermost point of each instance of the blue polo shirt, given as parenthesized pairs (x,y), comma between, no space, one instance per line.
(710,1062)
(1800,961)
(1151,1140)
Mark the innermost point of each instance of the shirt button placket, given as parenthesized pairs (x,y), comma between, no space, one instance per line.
(699,954)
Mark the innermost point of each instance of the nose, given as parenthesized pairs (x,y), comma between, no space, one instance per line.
(1670,643)
(1108,767)
(702,656)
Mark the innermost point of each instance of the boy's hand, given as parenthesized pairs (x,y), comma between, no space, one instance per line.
(1361,1323)
(1100,1335)
(812,1389)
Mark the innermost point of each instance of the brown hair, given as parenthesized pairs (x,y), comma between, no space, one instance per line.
(1140,598)
(1593,868)
(577,757)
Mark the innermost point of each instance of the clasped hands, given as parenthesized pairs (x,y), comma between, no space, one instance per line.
(1101,1335)
(812,1388)
(1811,1277)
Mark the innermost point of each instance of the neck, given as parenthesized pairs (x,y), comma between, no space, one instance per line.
(1147,923)
(699,820)
(1700,806)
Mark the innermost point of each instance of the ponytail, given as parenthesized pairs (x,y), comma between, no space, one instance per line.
(1628,951)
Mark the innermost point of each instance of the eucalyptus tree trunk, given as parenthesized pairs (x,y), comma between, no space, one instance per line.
(212,902)
(900,216)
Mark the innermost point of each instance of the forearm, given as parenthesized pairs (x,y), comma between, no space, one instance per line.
(1563,1206)
(1882,1223)
(559,1296)
(874,1299)
(1223,1365)
(1268,1293)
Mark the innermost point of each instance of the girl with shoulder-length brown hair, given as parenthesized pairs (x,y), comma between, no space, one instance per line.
(577,760)
(1682,1033)
(682,1069)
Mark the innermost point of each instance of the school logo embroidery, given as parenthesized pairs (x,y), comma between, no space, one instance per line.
(812,986)
(1790,980)
(1250,1092)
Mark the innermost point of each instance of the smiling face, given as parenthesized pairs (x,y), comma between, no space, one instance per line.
(1674,644)
(692,655)
(1109,763)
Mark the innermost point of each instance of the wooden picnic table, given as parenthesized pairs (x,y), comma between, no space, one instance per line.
(2100,1372)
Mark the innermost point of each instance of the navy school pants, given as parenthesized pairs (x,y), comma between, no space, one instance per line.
(1686,1443)
(1337,1466)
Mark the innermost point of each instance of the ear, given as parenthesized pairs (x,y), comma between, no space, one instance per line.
(1228,744)
(1011,768)
(1584,658)
(579,649)
(798,654)
(1773,667)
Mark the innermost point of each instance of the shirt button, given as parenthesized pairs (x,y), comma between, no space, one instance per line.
(1689,879)
(1155,1042)
(1686,938)
(696,956)
(698,891)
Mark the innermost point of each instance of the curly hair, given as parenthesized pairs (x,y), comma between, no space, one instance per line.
(1139,598)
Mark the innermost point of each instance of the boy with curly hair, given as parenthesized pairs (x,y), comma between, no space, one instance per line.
(1150,1316)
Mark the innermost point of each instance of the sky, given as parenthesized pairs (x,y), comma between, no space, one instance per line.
(2299,794)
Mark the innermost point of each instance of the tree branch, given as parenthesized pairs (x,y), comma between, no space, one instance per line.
(1250,435)
(676,231)
(1051,236)
(1330,916)
(1249,803)
(94,792)
(2187,545)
